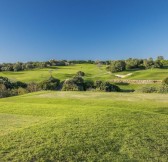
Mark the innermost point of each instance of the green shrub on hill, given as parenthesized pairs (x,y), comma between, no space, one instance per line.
(33,87)
(80,73)
(165,81)
(163,89)
(4,92)
(106,86)
(88,85)
(74,84)
(19,84)
(148,89)
(5,81)
(50,84)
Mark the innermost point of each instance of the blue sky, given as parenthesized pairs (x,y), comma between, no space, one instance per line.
(82,29)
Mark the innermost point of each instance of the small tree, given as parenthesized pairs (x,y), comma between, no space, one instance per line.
(117,66)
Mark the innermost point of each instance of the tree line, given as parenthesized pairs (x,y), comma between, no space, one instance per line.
(20,66)
(112,65)
(131,64)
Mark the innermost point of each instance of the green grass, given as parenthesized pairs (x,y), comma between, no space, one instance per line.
(84,126)
(150,74)
(92,72)
(60,72)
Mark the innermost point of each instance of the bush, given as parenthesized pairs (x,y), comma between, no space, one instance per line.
(148,89)
(50,84)
(5,81)
(4,92)
(74,84)
(80,73)
(33,87)
(88,85)
(163,89)
(21,91)
(106,86)
(19,84)
(165,81)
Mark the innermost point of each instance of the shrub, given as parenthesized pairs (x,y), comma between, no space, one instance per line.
(19,84)
(5,81)
(88,85)
(163,89)
(74,84)
(21,91)
(165,81)
(33,87)
(106,86)
(148,89)
(80,73)
(50,84)
(4,92)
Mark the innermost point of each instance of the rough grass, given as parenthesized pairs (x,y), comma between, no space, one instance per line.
(84,126)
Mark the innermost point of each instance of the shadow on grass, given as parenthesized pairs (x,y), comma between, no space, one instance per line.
(122,83)
(13,73)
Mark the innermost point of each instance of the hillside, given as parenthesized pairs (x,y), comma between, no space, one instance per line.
(84,126)
(92,72)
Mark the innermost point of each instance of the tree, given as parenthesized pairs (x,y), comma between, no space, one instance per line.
(17,67)
(158,64)
(132,63)
(148,63)
(29,66)
(160,58)
(117,66)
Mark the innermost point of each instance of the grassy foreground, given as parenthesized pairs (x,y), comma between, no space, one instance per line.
(84,126)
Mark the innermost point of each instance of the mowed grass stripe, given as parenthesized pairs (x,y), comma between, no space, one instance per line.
(12,122)
(111,135)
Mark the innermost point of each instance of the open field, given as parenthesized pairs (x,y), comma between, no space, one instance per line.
(84,126)
(92,72)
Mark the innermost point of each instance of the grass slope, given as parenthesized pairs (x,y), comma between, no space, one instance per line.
(84,126)
(92,72)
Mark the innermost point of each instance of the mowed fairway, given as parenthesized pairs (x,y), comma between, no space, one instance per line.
(61,72)
(92,71)
(84,126)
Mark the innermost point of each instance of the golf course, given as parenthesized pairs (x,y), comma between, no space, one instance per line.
(92,72)
(84,126)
